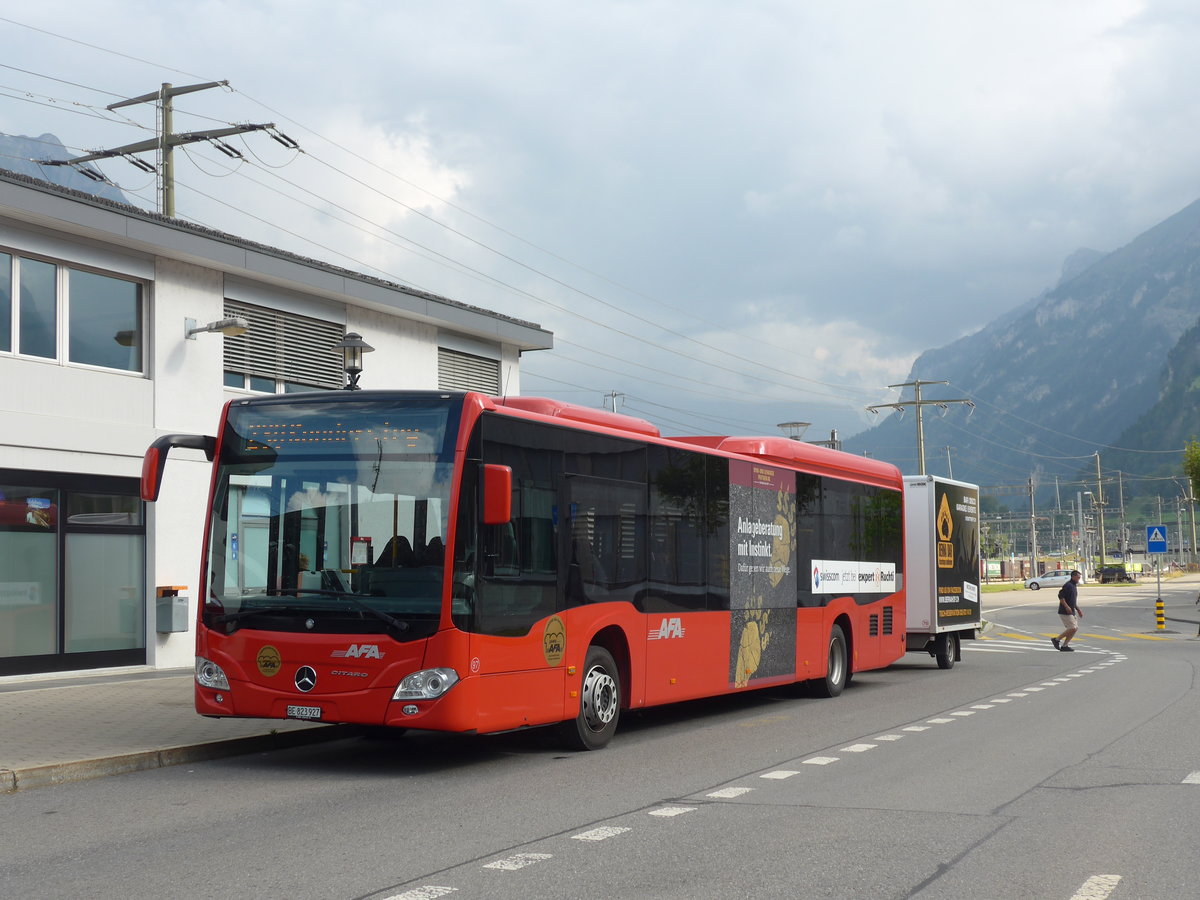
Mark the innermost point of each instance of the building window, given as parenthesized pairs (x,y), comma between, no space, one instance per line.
(70,315)
(282,353)
(72,572)
(464,372)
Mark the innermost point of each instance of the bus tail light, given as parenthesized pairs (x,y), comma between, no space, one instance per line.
(210,675)
(428,684)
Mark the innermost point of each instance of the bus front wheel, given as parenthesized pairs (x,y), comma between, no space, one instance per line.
(837,673)
(599,703)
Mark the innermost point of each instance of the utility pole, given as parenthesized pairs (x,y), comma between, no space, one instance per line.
(949,464)
(167,140)
(917,402)
(1100,505)
(1032,534)
(611,398)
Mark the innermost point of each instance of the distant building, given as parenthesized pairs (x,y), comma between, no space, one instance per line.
(95,301)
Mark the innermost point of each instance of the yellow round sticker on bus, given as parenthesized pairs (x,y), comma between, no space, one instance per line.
(269,661)
(554,641)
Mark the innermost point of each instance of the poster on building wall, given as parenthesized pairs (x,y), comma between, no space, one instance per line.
(762,552)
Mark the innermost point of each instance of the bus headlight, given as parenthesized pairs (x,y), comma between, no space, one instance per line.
(210,675)
(428,684)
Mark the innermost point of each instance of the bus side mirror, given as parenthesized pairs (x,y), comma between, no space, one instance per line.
(156,458)
(497,494)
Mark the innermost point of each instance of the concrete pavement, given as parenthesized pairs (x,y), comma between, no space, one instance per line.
(56,729)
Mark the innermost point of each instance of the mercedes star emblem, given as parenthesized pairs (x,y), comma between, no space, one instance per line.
(306,678)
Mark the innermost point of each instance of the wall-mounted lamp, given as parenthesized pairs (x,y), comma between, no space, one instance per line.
(353,347)
(230,327)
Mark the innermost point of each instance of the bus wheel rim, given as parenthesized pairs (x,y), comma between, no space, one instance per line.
(599,698)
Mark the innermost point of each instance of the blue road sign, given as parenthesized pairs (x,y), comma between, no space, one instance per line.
(1156,539)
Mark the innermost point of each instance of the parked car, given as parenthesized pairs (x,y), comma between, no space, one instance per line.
(1055,578)
(1111,574)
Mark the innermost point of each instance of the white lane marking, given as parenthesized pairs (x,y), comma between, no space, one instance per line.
(989,650)
(1074,675)
(916,728)
(1034,690)
(1194,778)
(890,737)
(780,773)
(730,792)
(939,721)
(963,713)
(983,706)
(1002,700)
(1098,887)
(859,748)
(668,811)
(425,892)
(1050,684)
(1018,694)
(819,761)
(517,861)
(602,833)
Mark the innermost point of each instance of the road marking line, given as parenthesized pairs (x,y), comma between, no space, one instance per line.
(859,748)
(890,737)
(990,650)
(779,774)
(517,861)
(983,706)
(1049,684)
(730,792)
(1018,637)
(425,892)
(1148,637)
(963,713)
(1001,700)
(819,761)
(669,811)
(1194,778)
(1034,690)
(1098,887)
(939,721)
(916,728)
(602,833)
(1018,694)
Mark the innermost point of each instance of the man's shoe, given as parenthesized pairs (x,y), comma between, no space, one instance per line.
(1067,649)
(1054,641)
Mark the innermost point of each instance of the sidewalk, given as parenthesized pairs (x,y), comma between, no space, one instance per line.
(56,729)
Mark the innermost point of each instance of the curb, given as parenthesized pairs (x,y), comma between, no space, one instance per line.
(13,780)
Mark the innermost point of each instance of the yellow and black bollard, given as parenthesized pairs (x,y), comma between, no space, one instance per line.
(1160,615)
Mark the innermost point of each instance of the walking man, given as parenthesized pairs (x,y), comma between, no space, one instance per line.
(1069,612)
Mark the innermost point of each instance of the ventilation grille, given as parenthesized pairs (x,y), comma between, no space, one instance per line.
(464,372)
(874,625)
(887,620)
(284,346)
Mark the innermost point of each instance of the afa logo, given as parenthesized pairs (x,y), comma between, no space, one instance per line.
(554,641)
(359,651)
(668,628)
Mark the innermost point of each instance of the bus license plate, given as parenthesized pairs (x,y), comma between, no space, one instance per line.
(304,712)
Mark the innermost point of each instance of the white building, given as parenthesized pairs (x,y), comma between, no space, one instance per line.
(96,299)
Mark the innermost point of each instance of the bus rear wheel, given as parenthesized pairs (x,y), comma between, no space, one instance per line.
(837,672)
(599,703)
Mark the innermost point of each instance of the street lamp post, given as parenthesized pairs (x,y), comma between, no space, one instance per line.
(353,347)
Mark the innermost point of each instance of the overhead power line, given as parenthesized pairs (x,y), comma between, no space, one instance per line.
(167,140)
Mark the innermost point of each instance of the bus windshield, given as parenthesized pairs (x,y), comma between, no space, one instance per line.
(330,514)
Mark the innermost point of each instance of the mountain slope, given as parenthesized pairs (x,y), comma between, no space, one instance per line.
(1067,373)
(18,152)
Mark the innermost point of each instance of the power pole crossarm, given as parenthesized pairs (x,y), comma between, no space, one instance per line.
(919,404)
(167,140)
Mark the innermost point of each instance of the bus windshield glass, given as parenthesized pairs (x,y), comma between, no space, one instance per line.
(330,514)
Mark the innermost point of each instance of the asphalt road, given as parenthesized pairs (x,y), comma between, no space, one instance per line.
(1022,772)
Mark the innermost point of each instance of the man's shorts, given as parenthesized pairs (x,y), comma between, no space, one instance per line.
(1069,621)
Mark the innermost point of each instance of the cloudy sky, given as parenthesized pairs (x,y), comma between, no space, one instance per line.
(731,214)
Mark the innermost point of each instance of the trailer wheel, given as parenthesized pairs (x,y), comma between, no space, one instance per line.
(946,650)
(837,673)
(599,703)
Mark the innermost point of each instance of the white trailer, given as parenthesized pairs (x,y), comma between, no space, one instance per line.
(941,566)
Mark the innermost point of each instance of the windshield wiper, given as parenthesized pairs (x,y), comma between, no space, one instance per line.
(400,625)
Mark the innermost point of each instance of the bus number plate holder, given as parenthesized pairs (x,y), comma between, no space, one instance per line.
(304,712)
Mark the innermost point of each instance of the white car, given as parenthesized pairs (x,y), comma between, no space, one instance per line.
(1055,578)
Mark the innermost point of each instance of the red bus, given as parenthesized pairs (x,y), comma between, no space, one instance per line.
(464,563)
